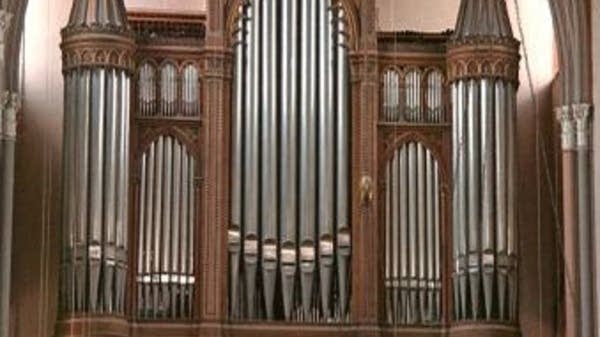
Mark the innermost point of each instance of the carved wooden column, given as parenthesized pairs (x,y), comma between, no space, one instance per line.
(212,301)
(365,102)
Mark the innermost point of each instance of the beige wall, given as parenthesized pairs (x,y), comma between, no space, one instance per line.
(168,5)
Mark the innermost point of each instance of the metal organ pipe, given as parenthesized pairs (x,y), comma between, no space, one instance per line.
(484,197)
(412,227)
(96,182)
(167,216)
(278,122)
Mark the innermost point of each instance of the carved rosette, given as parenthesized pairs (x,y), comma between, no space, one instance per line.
(89,47)
(489,57)
(9,108)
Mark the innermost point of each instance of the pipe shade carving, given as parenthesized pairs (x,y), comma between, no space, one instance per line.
(289,239)
(413,97)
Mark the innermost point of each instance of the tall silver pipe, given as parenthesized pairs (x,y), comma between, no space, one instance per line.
(176,225)
(487,190)
(421,230)
(307,153)
(511,234)
(166,221)
(403,234)
(142,235)
(123,216)
(430,230)
(234,234)
(461,185)
(269,155)
(109,180)
(474,180)
(158,222)
(191,247)
(396,186)
(389,241)
(342,163)
(251,172)
(288,239)
(96,172)
(455,196)
(412,232)
(185,233)
(501,195)
(149,239)
(325,155)
(437,211)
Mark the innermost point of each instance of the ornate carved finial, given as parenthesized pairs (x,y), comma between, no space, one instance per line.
(567,126)
(581,114)
(483,44)
(10,106)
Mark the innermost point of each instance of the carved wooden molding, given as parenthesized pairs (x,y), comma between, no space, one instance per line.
(483,57)
(93,47)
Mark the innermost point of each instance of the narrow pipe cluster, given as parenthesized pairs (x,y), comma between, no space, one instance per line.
(484,217)
(178,93)
(413,267)
(407,98)
(95,190)
(167,217)
(289,239)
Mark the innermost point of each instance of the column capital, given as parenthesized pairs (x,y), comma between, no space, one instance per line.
(9,107)
(5,19)
(567,125)
(581,115)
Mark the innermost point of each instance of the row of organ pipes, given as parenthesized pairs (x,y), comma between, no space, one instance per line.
(290,255)
(410,99)
(413,258)
(170,93)
(95,184)
(167,214)
(484,217)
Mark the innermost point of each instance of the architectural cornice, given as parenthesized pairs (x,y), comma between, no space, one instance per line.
(477,57)
(98,47)
(9,108)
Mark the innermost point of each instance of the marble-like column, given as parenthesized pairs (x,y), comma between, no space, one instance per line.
(576,193)
(581,116)
(9,105)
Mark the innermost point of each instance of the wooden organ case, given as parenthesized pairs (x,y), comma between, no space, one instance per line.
(319,132)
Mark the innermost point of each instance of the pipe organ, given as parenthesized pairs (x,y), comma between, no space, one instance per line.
(413,213)
(484,85)
(240,197)
(289,239)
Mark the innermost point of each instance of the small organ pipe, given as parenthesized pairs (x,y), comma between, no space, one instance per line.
(390,299)
(191,247)
(148,304)
(412,231)
(511,235)
(402,236)
(421,231)
(156,276)
(461,185)
(185,215)
(176,221)
(430,224)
